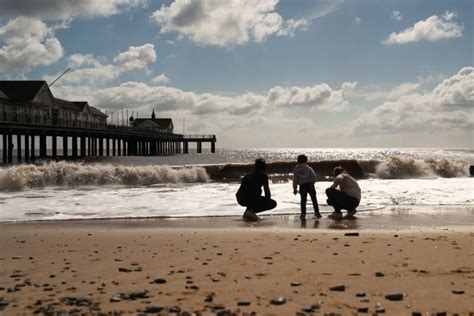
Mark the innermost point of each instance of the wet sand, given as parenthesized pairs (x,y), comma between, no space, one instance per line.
(388,264)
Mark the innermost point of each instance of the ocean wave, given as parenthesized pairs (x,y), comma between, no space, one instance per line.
(394,167)
(69,174)
(397,167)
(75,174)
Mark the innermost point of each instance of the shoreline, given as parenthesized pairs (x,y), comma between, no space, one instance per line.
(403,217)
(210,266)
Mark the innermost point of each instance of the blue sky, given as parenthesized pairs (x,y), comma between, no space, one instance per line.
(261,73)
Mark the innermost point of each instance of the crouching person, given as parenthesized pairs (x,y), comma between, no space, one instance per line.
(347,198)
(250,192)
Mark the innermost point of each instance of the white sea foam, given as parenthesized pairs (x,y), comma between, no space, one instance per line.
(217,199)
(75,174)
(398,167)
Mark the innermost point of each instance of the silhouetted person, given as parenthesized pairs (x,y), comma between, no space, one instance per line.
(347,198)
(305,177)
(250,192)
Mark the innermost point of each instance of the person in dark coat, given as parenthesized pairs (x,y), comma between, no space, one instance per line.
(250,192)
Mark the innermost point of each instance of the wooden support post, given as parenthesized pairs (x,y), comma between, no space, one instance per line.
(83,146)
(5,148)
(94,146)
(119,147)
(42,146)
(199,147)
(213,147)
(33,149)
(18,146)
(65,146)
(27,147)
(54,150)
(186,147)
(89,146)
(114,146)
(74,147)
(124,149)
(10,148)
(107,146)
(101,146)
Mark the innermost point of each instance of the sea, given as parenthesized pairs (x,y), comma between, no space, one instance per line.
(204,185)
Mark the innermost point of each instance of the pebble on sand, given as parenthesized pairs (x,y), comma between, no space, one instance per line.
(278,300)
(338,288)
(351,234)
(458,291)
(160,281)
(394,297)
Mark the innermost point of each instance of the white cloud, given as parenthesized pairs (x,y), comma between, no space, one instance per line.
(78,60)
(224,23)
(432,29)
(136,58)
(358,20)
(54,9)
(160,79)
(403,89)
(88,70)
(396,15)
(321,97)
(162,98)
(27,43)
(448,107)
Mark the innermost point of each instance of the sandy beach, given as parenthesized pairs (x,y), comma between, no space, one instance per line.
(226,266)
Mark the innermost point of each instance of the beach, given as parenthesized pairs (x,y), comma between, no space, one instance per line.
(402,264)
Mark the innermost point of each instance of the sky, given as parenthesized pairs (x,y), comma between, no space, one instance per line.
(259,73)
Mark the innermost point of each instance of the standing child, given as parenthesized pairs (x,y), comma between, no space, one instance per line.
(305,177)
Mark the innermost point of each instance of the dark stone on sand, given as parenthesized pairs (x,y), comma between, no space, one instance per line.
(77,301)
(153,309)
(3,304)
(134,295)
(278,300)
(351,234)
(125,270)
(209,299)
(338,288)
(160,281)
(17,275)
(380,309)
(379,274)
(311,309)
(441,314)
(174,309)
(243,303)
(295,283)
(416,313)
(394,297)
(471,171)
(362,309)
(224,312)
(361,294)
(115,299)
(458,291)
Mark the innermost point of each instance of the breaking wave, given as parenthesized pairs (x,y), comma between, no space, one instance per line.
(69,174)
(75,174)
(397,167)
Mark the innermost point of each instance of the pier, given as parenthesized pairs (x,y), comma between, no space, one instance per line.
(32,129)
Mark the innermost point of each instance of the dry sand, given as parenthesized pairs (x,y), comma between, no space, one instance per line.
(128,267)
